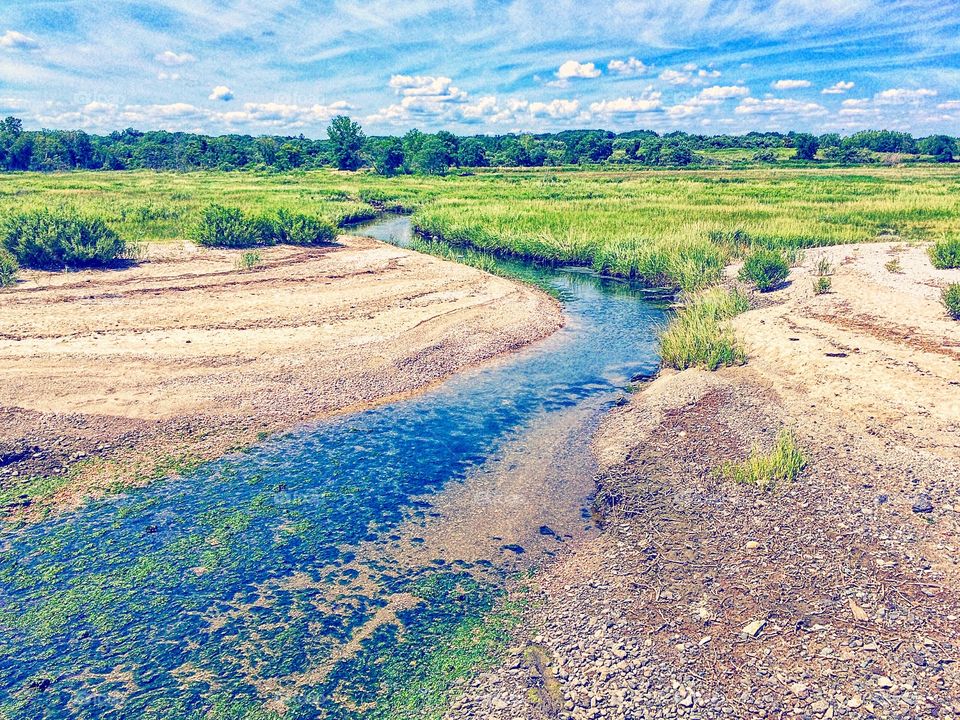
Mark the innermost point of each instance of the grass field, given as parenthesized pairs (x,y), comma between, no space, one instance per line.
(666,227)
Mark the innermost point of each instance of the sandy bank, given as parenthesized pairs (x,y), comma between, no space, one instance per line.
(835,596)
(117,376)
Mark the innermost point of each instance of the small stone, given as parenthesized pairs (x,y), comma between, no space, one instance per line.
(752,545)
(884,682)
(753,629)
(855,702)
(820,706)
(799,689)
(923,504)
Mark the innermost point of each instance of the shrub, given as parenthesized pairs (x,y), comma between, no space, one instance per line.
(249,261)
(765,470)
(8,268)
(824,267)
(220,226)
(700,334)
(893,266)
(765,269)
(49,240)
(951,300)
(297,229)
(821,285)
(945,254)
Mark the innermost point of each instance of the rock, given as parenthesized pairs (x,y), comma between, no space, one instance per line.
(518,549)
(923,504)
(884,682)
(752,545)
(753,629)
(855,702)
(800,690)
(820,706)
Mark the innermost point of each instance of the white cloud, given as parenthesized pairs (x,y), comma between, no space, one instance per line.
(779,106)
(425,97)
(554,109)
(172,59)
(950,105)
(573,69)
(221,93)
(629,67)
(164,75)
(707,97)
(838,88)
(14,40)
(900,95)
(690,74)
(282,115)
(790,84)
(648,102)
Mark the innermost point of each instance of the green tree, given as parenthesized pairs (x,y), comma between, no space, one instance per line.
(433,158)
(387,156)
(807,146)
(346,141)
(472,153)
(942,147)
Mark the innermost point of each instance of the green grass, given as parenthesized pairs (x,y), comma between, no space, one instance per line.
(945,253)
(667,228)
(951,300)
(782,464)
(700,334)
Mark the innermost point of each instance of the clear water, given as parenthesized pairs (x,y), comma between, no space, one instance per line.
(322,572)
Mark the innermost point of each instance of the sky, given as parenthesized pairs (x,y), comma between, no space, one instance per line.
(482,66)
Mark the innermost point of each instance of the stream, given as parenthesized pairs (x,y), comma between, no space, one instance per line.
(350,568)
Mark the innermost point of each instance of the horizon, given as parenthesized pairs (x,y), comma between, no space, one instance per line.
(239,67)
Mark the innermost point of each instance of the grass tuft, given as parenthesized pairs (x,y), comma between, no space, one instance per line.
(700,334)
(951,300)
(945,254)
(766,470)
(765,269)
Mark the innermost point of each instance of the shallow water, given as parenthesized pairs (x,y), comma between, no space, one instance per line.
(341,570)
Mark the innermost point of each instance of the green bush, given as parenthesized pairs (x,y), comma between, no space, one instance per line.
(822,285)
(48,240)
(8,268)
(951,300)
(296,229)
(220,226)
(765,269)
(700,334)
(765,470)
(945,254)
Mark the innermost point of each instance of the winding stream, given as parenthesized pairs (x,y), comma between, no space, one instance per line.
(342,570)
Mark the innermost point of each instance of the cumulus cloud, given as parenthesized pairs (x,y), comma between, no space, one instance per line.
(900,95)
(221,93)
(707,97)
(838,88)
(790,84)
(779,106)
(629,67)
(282,115)
(574,69)
(172,59)
(689,74)
(422,96)
(13,40)
(650,101)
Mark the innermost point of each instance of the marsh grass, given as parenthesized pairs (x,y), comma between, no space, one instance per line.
(8,268)
(249,260)
(951,300)
(700,334)
(765,269)
(945,253)
(822,285)
(765,471)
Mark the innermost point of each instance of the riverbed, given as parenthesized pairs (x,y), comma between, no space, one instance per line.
(348,568)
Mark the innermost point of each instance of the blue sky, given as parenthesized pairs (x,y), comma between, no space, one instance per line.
(288,66)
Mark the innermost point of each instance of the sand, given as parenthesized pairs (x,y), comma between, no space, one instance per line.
(183,356)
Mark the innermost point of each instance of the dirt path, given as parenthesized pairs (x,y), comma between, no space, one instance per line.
(836,596)
(115,378)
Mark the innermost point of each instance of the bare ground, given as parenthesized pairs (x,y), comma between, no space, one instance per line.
(113,378)
(835,596)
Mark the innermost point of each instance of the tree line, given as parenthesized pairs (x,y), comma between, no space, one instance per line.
(347,147)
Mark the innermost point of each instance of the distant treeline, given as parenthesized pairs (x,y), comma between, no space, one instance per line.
(348,148)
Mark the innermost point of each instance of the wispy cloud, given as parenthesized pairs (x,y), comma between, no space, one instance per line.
(838,88)
(172,59)
(790,84)
(13,40)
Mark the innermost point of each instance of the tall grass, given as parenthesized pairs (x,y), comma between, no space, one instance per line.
(700,334)
(951,300)
(945,253)
(782,464)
